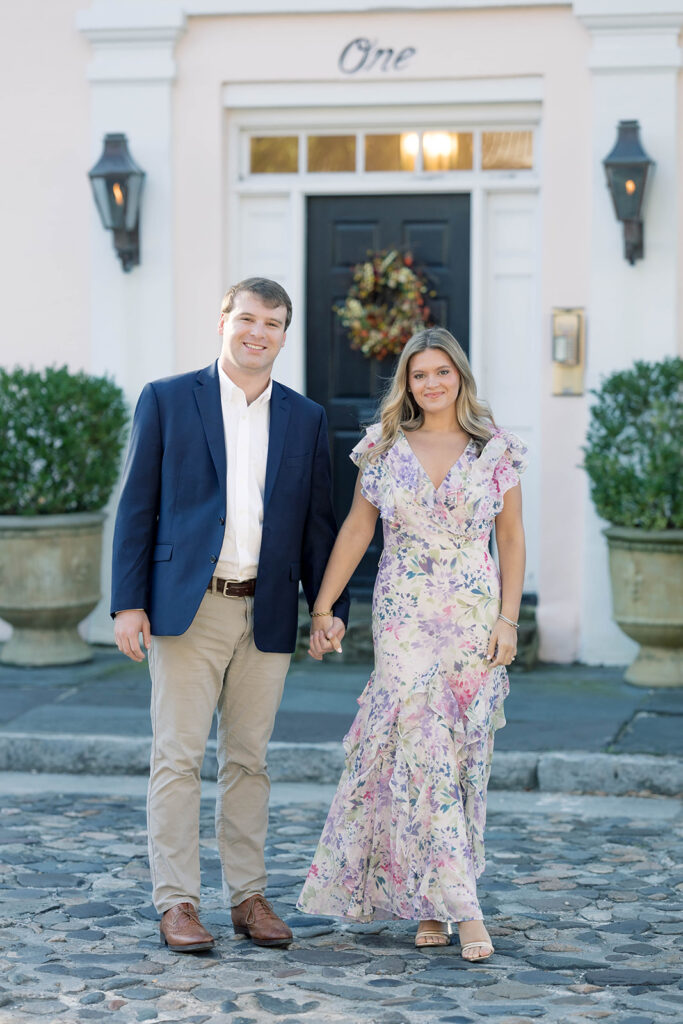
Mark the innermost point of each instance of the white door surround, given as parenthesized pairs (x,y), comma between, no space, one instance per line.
(265,231)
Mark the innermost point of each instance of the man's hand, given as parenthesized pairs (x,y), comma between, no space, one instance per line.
(326,636)
(128,625)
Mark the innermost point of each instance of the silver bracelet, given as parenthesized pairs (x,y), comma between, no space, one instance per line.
(509,621)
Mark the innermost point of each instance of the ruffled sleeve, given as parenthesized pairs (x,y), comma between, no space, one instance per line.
(511,461)
(375,485)
(373,433)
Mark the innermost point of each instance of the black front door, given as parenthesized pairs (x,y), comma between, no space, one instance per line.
(341,231)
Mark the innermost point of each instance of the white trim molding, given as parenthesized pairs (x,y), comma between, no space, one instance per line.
(106,18)
(213,7)
(132,41)
(629,13)
(108,15)
(633,34)
(302,95)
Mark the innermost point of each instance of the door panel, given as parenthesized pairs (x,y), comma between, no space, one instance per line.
(510,378)
(341,230)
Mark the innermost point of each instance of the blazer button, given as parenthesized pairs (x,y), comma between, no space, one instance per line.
(221,520)
(213,559)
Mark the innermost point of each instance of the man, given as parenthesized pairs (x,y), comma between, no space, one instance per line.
(225,506)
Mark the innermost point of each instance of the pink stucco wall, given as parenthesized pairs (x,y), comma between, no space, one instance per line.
(46,200)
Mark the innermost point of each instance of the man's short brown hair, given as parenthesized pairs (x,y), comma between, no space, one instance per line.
(269,292)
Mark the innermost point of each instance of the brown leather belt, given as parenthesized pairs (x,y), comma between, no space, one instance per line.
(232,588)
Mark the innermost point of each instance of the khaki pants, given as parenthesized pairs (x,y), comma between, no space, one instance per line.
(214,665)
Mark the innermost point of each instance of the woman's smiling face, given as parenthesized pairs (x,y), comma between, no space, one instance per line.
(433,380)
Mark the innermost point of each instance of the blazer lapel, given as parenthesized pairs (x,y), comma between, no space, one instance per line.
(208,397)
(279,418)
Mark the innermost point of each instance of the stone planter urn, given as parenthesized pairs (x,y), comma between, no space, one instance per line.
(49,582)
(63,433)
(633,461)
(646,569)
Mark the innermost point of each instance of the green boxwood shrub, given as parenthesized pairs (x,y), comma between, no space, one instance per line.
(633,450)
(62,434)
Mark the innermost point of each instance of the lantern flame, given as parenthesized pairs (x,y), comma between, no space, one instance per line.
(630,186)
(118,193)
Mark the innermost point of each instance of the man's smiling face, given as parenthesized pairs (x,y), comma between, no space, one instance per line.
(253,335)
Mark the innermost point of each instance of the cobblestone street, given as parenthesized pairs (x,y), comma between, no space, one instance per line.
(583,896)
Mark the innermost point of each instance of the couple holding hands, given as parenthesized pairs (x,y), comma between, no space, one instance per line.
(225,507)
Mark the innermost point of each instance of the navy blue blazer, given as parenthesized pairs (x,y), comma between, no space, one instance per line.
(171,515)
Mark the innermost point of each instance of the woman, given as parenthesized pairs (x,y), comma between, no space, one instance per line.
(404,836)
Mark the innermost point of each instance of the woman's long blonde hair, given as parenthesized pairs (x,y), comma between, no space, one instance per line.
(400,411)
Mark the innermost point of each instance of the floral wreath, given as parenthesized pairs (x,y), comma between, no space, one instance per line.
(385,305)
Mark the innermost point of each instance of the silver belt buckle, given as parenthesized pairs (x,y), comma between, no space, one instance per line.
(226,584)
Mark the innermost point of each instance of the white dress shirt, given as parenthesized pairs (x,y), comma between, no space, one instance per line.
(246,449)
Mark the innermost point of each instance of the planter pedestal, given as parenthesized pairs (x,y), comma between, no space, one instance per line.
(646,569)
(49,582)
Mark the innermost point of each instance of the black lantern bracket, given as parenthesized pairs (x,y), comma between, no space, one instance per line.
(117,187)
(627,169)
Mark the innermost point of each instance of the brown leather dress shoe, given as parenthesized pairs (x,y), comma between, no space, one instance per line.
(182,931)
(256,919)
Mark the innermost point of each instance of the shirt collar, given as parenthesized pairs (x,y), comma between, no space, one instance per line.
(234,393)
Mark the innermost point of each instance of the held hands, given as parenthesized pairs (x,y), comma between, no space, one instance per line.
(127,628)
(327,633)
(502,644)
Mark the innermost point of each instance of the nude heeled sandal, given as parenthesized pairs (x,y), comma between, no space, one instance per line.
(473,945)
(430,936)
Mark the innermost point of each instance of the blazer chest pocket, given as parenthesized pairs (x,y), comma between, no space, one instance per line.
(162,552)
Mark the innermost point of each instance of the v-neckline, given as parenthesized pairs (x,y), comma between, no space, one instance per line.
(419,462)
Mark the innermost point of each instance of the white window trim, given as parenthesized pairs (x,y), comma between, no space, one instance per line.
(249,181)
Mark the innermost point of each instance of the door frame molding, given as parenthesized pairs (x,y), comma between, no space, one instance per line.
(292,191)
(509,111)
(469,93)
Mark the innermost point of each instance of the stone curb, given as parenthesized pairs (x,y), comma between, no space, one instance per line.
(566,771)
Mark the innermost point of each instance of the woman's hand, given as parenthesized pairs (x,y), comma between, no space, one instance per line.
(326,635)
(502,644)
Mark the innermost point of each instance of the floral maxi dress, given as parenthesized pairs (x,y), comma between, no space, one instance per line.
(404,835)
